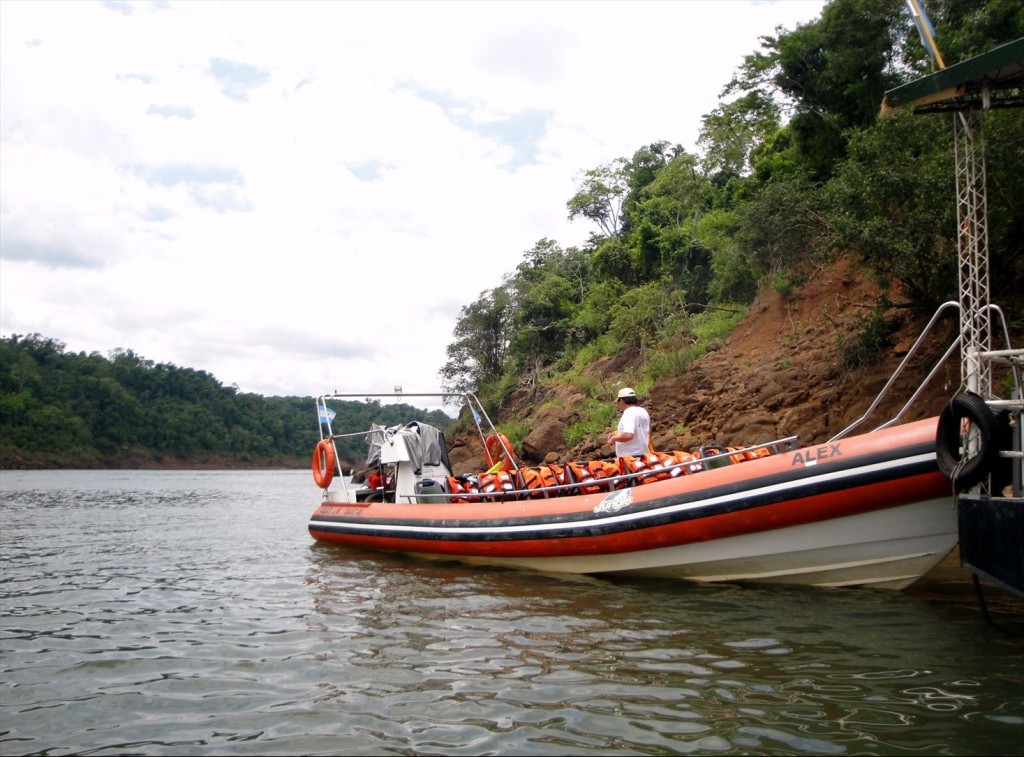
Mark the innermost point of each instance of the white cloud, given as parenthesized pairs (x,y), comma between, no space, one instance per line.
(298,197)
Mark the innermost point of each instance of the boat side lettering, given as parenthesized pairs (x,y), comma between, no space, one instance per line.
(614,502)
(346,512)
(814,456)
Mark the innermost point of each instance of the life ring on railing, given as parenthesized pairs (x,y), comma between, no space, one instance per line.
(498,449)
(324,462)
(964,471)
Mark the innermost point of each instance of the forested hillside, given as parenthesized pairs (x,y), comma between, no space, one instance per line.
(61,409)
(797,170)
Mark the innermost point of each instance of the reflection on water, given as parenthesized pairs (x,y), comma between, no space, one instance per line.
(190,613)
(641,666)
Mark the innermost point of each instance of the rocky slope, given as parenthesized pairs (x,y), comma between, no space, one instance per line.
(781,373)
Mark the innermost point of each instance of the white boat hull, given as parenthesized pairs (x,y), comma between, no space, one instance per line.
(887,549)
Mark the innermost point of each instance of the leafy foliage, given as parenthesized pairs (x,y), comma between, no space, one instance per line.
(898,214)
(476,359)
(601,196)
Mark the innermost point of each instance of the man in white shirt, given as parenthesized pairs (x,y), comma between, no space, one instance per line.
(633,436)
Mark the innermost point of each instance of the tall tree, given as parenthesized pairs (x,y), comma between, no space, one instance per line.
(476,359)
(832,73)
(601,196)
(730,132)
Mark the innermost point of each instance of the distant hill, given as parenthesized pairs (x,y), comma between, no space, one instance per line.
(61,409)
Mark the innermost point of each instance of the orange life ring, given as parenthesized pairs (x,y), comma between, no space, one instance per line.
(499,450)
(324,462)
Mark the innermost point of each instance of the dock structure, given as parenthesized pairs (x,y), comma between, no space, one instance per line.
(991,509)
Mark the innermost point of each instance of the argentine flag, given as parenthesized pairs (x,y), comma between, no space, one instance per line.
(326,415)
(925,30)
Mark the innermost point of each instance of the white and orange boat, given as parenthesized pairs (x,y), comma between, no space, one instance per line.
(877,509)
(867,510)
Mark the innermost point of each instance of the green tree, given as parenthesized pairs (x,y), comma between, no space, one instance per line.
(546,297)
(640,315)
(733,277)
(594,316)
(476,359)
(892,203)
(601,196)
(783,226)
(833,73)
(613,259)
(730,132)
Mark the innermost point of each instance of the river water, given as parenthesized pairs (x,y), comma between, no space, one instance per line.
(190,613)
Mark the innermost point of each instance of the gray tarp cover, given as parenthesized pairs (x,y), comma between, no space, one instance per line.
(425,444)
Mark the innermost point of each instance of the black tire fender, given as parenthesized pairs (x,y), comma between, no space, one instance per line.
(964,471)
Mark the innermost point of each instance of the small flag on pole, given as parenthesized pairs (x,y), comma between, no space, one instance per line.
(326,415)
(925,30)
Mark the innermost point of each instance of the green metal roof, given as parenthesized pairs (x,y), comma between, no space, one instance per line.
(991,80)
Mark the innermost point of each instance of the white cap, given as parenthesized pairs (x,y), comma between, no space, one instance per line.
(626,392)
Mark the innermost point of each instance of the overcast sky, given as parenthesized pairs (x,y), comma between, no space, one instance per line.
(299,197)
